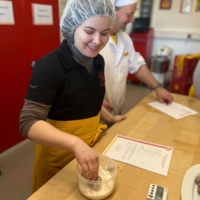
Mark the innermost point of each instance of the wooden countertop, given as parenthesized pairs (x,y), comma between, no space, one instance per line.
(145,123)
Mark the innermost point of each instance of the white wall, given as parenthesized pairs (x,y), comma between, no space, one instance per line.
(172,29)
(171,20)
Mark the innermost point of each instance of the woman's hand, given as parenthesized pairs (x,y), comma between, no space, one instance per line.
(107,105)
(118,118)
(87,158)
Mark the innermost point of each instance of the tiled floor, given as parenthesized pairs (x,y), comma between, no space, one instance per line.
(16,167)
(134,94)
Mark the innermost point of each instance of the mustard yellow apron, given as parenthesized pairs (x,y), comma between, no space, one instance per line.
(48,161)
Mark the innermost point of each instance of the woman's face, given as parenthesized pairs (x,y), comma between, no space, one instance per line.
(91,36)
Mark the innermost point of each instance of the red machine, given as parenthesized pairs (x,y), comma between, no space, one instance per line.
(143,44)
(182,79)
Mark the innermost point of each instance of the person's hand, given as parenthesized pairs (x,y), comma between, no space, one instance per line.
(87,158)
(163,95)
(107,105)
(118,118)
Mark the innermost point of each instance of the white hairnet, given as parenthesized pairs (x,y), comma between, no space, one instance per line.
(78,11)
(119,3)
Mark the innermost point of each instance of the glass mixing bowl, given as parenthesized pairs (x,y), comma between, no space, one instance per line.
(104,185)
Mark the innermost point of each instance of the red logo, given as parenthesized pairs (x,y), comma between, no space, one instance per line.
(102,79)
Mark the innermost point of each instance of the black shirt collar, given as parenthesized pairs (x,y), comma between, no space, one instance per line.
(65,53)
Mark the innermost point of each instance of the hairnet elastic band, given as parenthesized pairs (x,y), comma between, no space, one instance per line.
(119,3)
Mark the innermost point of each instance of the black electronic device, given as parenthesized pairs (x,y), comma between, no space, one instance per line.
(141,25)
(157,192)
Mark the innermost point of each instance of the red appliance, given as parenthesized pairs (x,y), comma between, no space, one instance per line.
(182,79)
(143,44)
(21,44)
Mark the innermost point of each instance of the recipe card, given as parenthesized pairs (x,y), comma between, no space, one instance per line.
(173,109)
(149,156)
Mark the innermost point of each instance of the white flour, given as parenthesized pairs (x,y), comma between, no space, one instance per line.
(93,191)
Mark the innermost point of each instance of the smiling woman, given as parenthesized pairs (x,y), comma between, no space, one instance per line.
(62,113)
(92,35)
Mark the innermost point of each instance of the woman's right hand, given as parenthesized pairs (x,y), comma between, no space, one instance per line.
(107,105)
(87,158)
(118,118)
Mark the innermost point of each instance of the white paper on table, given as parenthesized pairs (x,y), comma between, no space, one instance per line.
(173,109)
(149,156)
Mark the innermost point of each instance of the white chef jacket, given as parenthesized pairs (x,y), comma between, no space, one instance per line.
(120,60)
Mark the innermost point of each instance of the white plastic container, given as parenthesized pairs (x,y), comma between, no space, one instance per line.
(98,189)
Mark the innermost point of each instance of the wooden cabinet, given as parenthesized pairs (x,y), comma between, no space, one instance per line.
(143,44)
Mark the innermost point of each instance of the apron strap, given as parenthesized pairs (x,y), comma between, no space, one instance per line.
(100,129)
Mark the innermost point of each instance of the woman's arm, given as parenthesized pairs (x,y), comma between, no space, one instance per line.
(45,134)
(109,118)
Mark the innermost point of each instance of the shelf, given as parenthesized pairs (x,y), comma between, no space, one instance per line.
(146,8)
(145,4)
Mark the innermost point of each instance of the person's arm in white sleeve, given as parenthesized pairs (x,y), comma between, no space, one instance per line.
(143,74)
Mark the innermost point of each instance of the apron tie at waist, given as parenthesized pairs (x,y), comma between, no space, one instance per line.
(101,128)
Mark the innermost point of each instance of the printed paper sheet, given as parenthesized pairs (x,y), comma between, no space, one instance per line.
(149,156)
(173,109)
